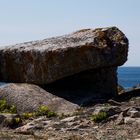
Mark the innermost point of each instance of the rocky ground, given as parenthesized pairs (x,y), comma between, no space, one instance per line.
(115,119)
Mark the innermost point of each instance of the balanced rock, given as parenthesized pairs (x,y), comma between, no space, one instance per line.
(48,60)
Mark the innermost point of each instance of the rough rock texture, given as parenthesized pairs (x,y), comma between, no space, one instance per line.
(45,61)
(28,98)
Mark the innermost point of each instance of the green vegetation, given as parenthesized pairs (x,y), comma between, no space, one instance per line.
(16,121)
(43,110)
(5,108)
(99,117)
(27,115)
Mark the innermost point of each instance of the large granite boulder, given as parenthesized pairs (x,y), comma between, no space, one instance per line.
(48,60)
(29,97)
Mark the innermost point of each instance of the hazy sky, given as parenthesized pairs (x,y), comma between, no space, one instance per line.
(26,20)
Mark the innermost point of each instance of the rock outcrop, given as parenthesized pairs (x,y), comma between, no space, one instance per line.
(48,60)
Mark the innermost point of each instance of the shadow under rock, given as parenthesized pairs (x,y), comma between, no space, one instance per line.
(127,95)
(84,88)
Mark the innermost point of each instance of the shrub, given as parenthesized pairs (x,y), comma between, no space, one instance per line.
(27,115)
(43,110)
(99,117)
(4,108)
(51,114)
(12,109)
(2,105)
(14,122)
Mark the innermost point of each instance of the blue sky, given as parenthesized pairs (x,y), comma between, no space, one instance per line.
(28,20)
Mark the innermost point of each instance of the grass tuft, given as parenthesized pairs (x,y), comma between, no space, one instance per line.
(99,117)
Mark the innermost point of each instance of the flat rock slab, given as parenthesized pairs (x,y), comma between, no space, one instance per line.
(48,60)
(28,98)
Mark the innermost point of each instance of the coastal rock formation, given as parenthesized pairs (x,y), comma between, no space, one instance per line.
(48,60)
(28,98)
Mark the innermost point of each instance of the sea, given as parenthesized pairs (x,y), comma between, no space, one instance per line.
(127,76)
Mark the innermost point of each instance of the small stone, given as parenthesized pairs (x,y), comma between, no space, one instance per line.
(42,118)
(46,122)
(134,114)
(95,127)
(50,128)
(72,123)
(81,126)
(113,102)
(69,119)
(120,119)
(138,120)
(114,117)
(26,127)
(129,120)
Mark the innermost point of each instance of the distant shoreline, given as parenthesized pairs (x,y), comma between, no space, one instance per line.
(129,66)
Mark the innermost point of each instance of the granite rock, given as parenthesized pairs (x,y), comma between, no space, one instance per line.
(28,98)
(48,60)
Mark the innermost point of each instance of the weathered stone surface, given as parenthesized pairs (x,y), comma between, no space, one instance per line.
(45,61)
(28,98)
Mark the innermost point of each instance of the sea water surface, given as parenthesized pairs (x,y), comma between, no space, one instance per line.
(127,76)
